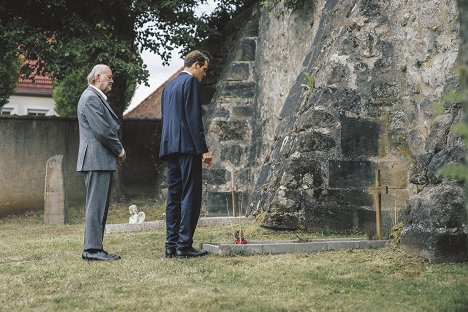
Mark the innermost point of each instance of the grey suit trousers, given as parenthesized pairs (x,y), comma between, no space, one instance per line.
(98,190)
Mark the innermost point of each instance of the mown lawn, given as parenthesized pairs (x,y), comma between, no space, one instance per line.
(41,270)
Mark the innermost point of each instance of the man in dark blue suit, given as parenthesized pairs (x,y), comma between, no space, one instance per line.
(184,148)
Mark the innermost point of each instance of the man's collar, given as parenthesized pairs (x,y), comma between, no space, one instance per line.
(184,71)
(100,92)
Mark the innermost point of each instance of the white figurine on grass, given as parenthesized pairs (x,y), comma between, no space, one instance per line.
(134,216)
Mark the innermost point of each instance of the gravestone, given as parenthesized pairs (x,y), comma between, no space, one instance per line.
(54,191)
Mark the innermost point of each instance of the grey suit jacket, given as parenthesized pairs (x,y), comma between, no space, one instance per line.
(99,140)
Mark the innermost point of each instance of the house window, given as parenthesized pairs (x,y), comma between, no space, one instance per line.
(37,112)
(6,111)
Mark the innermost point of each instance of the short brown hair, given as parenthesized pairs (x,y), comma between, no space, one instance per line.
(195,56)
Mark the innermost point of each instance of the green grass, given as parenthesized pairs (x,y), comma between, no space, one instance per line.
(41,270)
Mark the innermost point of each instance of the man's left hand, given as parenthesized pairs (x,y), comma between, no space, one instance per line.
(207,159)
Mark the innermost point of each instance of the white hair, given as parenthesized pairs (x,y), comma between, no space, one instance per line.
(97,70)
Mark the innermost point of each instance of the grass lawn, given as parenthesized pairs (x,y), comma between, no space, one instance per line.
(41,270)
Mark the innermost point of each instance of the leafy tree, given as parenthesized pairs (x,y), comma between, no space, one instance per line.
(9,70)
(68,37)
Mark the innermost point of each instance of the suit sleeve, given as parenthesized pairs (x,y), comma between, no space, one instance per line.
(194,114)
(100,127)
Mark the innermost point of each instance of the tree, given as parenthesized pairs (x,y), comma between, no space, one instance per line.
(9,70)
(68,37)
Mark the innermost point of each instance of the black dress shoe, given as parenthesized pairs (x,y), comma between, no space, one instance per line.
(98,256)
(190,253)
(170,252)
(114,256)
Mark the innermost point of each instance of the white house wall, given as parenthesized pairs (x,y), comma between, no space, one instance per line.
(21,105)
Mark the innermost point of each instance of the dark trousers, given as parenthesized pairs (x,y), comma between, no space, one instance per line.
(184,180)
(98,190)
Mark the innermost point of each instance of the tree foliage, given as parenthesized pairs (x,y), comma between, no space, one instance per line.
(67,37)
(9,70)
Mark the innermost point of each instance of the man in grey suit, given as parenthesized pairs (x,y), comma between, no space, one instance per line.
(100,151)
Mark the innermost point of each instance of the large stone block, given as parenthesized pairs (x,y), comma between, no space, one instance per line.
(313,141)
(214,176)
(319,215)
(239,72)
(227,130)
(359,138)
(232,153)
(242,111)
(394,174)
(350,174)
(240,89)
(434,246)
(434,223)
(349,197)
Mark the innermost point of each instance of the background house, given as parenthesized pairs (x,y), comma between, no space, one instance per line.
(32,97)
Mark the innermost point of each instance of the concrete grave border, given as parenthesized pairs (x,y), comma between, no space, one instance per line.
(281,247)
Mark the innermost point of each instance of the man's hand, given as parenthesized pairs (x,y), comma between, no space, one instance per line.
(207,159)
(121,159)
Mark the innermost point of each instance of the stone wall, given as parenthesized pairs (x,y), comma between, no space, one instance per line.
(306,154)
(27,142)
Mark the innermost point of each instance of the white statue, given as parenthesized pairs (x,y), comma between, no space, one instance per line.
(134,216)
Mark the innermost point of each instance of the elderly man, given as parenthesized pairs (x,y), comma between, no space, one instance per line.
(184,148)
(100,150)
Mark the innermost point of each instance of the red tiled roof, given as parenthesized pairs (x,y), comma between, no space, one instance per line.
(150,108)
(36,84)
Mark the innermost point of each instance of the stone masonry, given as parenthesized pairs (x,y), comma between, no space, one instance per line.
(229,131)
(305,151)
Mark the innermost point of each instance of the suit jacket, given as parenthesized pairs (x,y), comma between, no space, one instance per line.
(99,140)
(182,126)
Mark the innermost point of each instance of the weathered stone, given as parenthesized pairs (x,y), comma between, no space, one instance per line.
(239,72)
(437,138)
(294,99)
(281,221)
(434,223)
(241,89)
(345,101)
(350,174)
(247,50)
(313,119)
(350,197)
(220,203)
(54,193)
(312,153)
(229,129)
(313,141)
(242,111)
(302,172)
(394,174)
(214,176)
(232,153)
(452,155)
(359,138)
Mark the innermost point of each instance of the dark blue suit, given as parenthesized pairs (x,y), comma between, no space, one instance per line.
(182,146)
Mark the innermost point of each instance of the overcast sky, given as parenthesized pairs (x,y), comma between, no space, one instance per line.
(158,72)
